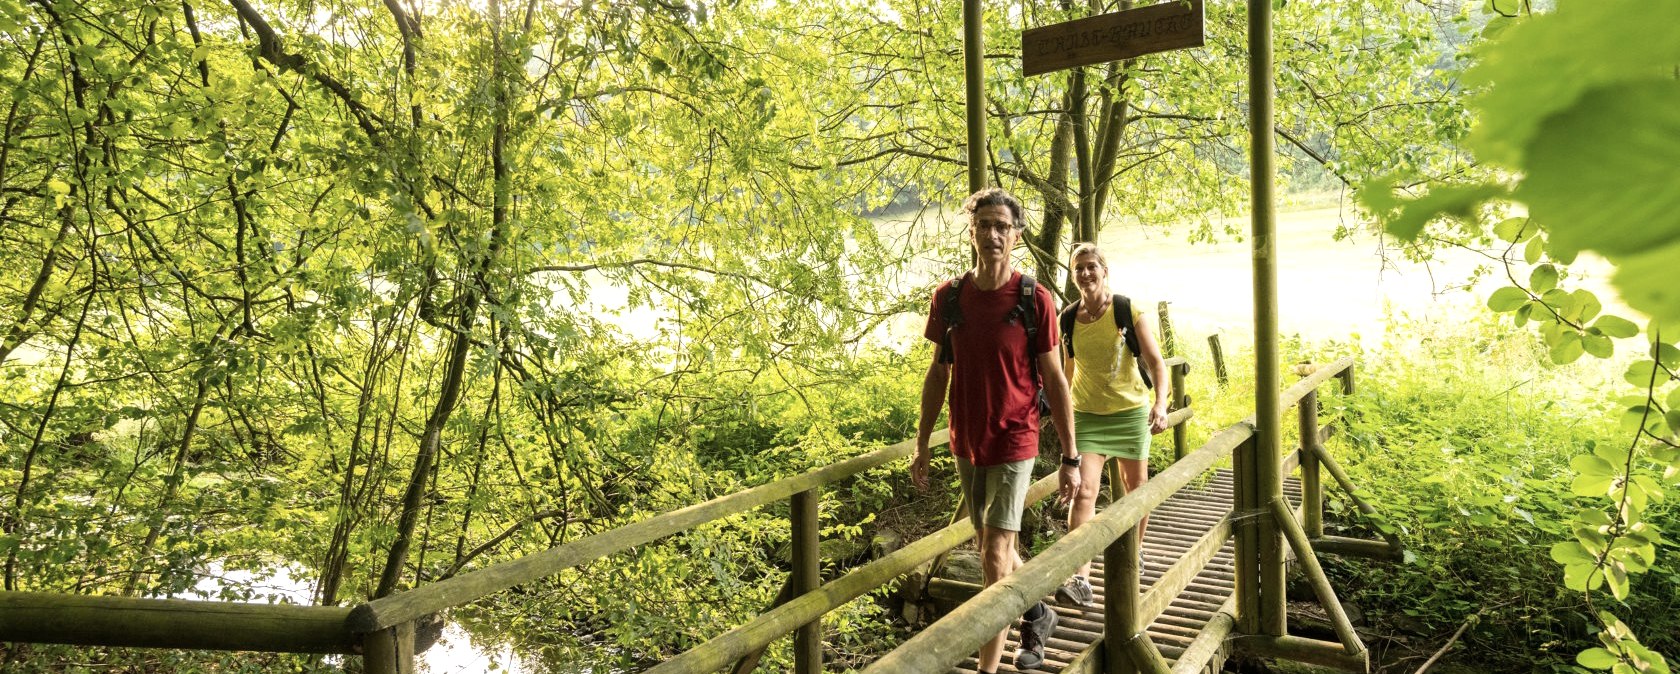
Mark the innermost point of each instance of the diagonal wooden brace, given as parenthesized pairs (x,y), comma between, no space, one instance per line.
(1315,576)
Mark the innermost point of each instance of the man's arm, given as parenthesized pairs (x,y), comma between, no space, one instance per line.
(933,400)
(1061,411)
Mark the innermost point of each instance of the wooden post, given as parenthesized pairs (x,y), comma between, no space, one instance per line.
(1181,400)
(1218,360)
(389,651)
(1268,445)
(1120,609)
(1169,345)
(1125,583)
(974,75)
(807,558)
(1246,565)
(1312,490)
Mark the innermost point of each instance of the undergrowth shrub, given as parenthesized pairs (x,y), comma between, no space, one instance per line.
(1463,443)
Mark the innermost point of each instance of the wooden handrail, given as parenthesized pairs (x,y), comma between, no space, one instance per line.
(1309,383)
(402,607)
(70,619)
(964,629)
(778,622)
(48,618)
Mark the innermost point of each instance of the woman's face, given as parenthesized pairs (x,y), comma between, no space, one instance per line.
(1089,274)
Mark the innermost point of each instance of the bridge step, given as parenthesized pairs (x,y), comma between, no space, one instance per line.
(1174,527)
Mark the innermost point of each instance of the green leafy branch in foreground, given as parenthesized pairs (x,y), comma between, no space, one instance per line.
(1581,108)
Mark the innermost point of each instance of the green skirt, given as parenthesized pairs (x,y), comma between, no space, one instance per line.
(1124,434)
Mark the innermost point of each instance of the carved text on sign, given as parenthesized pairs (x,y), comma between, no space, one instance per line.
(1112,37)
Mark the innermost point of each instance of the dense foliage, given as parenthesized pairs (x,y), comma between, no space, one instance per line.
(1581,125)
(1467,446)
(386,292)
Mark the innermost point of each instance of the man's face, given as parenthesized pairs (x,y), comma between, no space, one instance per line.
(994,232)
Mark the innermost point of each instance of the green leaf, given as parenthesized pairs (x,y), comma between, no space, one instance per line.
(1587,464)
(1508,298)
(1646,281)
(1583,306)
(1616,326)
(58,186)
(1596,658)
(1543,278)
(1532,251)
(1600,172)
(1571,552)
(1514,230)
(1640,373)
(1598,345)
(1617,454)
(1461,201)
(1632,419)
(1592,486)
(1542,64)
(1576,576)
(1568,349)
(1617,577)
(1668,355)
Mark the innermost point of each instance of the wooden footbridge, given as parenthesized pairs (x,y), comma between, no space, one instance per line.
(1212,581)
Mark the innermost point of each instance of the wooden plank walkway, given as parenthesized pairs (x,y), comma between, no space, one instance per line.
(1173,528)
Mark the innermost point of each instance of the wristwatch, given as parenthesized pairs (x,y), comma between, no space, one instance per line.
(1073,462)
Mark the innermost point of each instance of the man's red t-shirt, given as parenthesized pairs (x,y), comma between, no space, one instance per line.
(994,411)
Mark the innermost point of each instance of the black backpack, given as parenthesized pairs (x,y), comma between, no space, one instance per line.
(1122,307)
(1025,311)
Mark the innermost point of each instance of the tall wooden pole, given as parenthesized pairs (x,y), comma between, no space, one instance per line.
(1268,478)
(807,560)
(974,74)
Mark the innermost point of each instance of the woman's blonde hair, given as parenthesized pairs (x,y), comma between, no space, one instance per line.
(1087,248)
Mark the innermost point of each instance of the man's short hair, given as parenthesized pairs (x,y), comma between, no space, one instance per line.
(994,196)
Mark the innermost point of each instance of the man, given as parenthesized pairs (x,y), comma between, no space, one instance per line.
(993,372)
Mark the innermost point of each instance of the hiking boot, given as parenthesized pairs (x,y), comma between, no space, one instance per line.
(1077,591)
(1033,635)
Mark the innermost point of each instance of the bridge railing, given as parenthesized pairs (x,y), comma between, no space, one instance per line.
(382,630)
(805,611)
(1113,532)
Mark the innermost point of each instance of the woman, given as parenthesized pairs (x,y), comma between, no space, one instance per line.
(1114,413)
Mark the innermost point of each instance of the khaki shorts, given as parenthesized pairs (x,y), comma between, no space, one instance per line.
(996,494)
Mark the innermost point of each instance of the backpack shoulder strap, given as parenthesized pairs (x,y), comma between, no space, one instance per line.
(1028,310)
(1128,329)
(1067,318)
(1027,307)
(950,310)
(1122,309)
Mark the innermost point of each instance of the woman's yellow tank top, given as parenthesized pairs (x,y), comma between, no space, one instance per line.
(1105,374)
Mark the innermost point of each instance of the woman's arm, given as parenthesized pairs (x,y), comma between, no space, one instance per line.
(1157,371)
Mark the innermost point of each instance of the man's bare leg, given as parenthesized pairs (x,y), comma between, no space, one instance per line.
(998,558)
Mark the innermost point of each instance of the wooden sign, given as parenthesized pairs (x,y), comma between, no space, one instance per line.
(1174,24)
